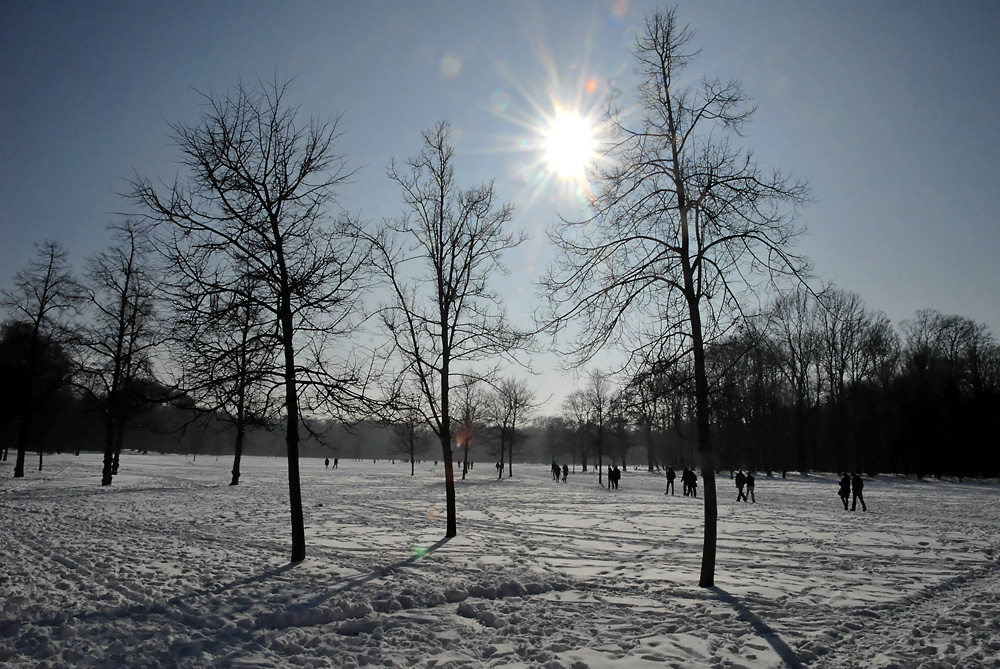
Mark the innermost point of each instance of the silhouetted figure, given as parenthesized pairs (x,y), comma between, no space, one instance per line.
(336,461)
(857,485)
(327,463)
(555,471)
(741,481)
(565,473)
(750,484)
(686,482)
(616,476)
(694,484)
(499,470)
(609,477)
(671,475)
(845,488)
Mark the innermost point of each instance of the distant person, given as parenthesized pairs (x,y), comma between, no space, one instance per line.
(499,470)
(694,483)
(616,476)
(327,463)
(857,485)
(741,481)
(686,482)
(609,477)
(565,473)
(336,461)
(555,471)
(671,475)
(845,488)
(750,484)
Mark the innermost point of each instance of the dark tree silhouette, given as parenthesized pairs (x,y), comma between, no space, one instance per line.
(228,358)
(684,227)
(258,206)
(437,260)
(122,333)
(43,296)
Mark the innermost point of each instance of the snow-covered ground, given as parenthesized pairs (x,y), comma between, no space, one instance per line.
(170,566)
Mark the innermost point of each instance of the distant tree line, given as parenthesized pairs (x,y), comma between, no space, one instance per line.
(818,382)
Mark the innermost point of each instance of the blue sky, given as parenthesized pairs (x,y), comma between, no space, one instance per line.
(888,109)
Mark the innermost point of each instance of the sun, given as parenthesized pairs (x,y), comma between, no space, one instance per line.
(568,145)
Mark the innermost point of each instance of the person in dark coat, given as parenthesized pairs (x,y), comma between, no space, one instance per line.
(750,485)
(741,481)
(686,482)
(616,476)
(857,485)
(565,472)
(845,488)
(671,475)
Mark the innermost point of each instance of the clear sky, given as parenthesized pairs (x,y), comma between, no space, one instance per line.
(888,109)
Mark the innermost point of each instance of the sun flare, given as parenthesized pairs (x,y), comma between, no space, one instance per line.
(569,145)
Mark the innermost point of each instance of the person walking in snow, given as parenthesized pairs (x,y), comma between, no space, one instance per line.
(741,481)
(565,472)
(750,484)
(845,488)
(336,461)
(616,476)
(694,484)
(857,485)
(327,463)
(671,475)
(686,482)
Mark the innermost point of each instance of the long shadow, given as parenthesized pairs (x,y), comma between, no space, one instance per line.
(351,583)
(766,632)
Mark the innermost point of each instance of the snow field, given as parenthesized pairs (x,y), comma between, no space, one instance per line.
(171,567)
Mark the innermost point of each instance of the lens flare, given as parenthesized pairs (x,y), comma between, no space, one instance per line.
(433,514)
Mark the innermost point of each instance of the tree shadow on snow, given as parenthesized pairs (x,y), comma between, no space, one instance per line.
(765,631)
(350,583)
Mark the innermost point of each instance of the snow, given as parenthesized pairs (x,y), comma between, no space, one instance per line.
(171,567)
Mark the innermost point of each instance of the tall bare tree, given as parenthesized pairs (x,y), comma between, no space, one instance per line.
(42,298)
(684,227)
(437,260)
(259,204)
(122,335)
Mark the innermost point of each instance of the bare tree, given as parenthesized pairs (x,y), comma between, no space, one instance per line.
(793,333)
(411,436)
(598,396)
(122,334)
(470,416)
(44,295)
(228,358)
(576,419)
(512,404)
(437,260)
(258,204)
(685,226)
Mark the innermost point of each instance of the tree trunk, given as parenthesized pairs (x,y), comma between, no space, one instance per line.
(22,443)
(240,435)
(292,439)
(109,447)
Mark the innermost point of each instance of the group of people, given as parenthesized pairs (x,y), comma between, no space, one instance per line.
(556,471)
(689,481)
(614,476)
(336,461)
(852,484)
(744,481)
